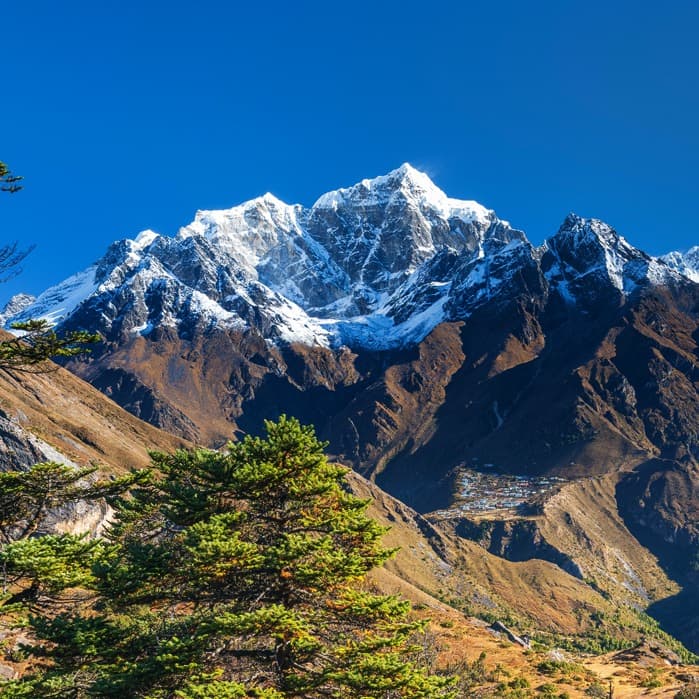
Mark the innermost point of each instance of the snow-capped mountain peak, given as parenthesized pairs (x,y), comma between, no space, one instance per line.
(58,302)
(378,264)
(405,178)
(406,183)
(587,255)
(592,232)
(686,264)
(15,306)
(248,231)
(144,239)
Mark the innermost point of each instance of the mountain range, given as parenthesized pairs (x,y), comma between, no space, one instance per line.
(374,266)
(428,340)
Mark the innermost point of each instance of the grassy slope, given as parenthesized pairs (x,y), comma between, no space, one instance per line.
(433,567)
(78,421)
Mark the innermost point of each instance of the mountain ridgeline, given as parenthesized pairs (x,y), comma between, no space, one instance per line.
(422,335)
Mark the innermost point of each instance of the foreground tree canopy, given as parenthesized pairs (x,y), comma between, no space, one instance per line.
(235,574)
(47,564)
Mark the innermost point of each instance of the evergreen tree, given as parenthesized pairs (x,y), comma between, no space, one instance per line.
(10,255)
(237,574)
(36,565)
(38,341)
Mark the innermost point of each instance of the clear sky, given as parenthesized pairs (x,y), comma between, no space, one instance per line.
(130,115)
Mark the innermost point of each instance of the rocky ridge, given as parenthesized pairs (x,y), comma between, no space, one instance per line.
(377,265)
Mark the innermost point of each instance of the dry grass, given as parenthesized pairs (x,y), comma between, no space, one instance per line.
(79,421)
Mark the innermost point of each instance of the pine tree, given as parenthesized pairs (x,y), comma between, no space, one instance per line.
(10,255)
(37,565)
(38,341)
(237,574)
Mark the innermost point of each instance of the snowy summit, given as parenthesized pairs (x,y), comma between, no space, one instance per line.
(378,264)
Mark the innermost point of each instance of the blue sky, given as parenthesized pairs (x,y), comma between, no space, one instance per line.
(130,115)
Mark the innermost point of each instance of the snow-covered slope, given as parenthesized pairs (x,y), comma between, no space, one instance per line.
(378,265)
(15,306)
(686,264)
(587,260)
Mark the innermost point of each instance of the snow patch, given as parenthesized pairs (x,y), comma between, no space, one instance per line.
(144,239)
(686,264)
(59,301)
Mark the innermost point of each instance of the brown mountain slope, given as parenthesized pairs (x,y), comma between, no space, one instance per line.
(78,422)
(534,592)
(585,399)
(57,415)
(432,564)
(528,387)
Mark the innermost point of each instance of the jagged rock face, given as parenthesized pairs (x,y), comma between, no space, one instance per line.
(380,231)
(686,264)
(505,274)
(376,267)
(587,263)
(370,266)
(15,306)
(18,448)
